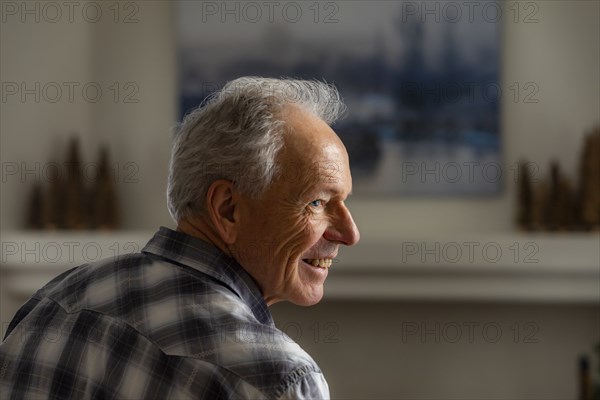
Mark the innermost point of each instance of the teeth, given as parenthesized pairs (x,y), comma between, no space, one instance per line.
(321,262)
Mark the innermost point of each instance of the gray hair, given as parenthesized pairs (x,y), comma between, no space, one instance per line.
(236,134)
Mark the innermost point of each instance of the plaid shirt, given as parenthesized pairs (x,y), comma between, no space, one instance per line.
(181,320)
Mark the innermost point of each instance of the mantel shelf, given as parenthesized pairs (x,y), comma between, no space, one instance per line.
(504,267)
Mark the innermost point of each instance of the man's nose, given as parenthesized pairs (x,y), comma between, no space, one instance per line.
(342,228)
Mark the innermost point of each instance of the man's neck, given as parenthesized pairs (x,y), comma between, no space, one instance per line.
(199,228)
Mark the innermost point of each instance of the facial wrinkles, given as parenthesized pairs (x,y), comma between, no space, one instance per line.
(312,162)
(304,240)
(283,238)
(312,186)
(295,221)
(296,226)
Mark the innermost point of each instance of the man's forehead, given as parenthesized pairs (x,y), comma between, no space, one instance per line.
(307,135)
(313,172)
(313,155)
(312,164)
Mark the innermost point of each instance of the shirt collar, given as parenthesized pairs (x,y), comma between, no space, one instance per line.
(208,259)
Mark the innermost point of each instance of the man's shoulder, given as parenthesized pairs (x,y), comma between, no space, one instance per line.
(260,354)
(71,350)
(178,312)
(84,283)
(132,288)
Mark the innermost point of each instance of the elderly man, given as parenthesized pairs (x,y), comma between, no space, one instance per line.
(257,186)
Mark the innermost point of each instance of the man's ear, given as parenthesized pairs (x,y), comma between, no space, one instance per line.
(221,203)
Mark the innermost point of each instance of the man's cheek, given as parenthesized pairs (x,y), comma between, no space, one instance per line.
(315,225)
(297,238)
(312,228)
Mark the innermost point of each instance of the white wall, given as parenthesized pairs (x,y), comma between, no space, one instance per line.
(32,132)
(404,350)
(100,54)
(142,54)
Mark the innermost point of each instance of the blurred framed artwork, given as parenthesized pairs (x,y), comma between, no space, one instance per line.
(421,80)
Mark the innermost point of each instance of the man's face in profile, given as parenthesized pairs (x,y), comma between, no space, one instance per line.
(289,236)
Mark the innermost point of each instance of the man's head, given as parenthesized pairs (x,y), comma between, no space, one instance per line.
(258,171)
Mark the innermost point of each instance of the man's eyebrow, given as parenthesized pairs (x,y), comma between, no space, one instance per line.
(332,190)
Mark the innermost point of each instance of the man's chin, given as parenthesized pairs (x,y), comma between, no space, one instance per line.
(308,298)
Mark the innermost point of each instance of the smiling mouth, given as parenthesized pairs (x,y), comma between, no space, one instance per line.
(319,262)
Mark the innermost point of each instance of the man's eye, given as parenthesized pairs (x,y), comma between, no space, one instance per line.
(316,203)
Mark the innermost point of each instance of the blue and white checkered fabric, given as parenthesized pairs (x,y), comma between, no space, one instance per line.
(180,320)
